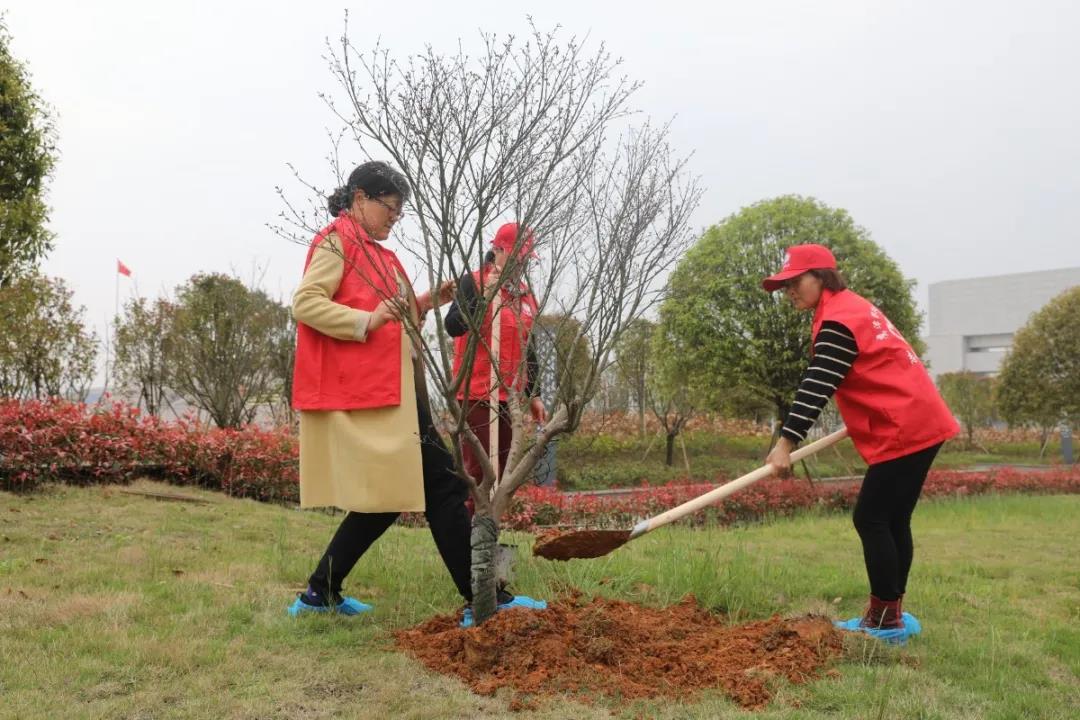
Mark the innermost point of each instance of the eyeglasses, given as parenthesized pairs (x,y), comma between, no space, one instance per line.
(399,211)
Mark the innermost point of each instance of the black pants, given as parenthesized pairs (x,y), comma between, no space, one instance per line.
(444,500)
(883,519)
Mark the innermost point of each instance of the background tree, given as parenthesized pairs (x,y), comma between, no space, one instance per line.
(1039,381)
(970,397)
(633,356)
(536,130)
(282,359)
(675,388)
(142,358)
(564,355)
(45,348)
(223,336)
(612,394)
(27,156)
(740,336)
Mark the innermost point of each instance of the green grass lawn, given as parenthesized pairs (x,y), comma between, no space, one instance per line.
(119,606)
(592,462)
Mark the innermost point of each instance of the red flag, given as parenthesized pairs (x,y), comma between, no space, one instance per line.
(123,269)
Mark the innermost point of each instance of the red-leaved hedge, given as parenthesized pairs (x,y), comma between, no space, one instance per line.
(59,441)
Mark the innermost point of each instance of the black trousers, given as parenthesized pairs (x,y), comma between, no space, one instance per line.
(882,518)
(444,499)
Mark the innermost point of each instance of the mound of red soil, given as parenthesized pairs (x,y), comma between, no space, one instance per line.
(624,650)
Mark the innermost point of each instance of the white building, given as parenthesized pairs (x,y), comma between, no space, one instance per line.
(972,321)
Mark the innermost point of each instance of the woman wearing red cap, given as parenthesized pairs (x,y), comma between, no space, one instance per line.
(893,412)
(518,366)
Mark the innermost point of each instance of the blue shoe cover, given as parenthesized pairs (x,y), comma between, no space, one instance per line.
(893,636)
(853,624)
(347,606)
(352,606)
(524,601)
(519,601)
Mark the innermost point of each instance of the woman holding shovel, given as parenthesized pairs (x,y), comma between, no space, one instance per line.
(367,442)
(893,413)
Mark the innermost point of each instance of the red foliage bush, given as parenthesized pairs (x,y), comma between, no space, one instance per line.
(59,441)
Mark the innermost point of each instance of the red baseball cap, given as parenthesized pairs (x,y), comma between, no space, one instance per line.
(797,260)
(508,235)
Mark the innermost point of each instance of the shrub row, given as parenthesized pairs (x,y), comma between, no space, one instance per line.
(59,441)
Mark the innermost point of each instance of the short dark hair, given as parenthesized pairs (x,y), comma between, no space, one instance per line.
(830,278)
(375,179)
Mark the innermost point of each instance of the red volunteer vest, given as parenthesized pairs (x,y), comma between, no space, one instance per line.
(889,403)
(517,316)
(333,374)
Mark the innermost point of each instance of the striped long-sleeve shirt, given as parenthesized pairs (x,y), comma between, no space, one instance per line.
(834,352)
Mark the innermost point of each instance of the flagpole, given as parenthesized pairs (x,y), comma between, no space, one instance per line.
(111,328)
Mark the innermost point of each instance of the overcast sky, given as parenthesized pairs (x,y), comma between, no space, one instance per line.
(951,130)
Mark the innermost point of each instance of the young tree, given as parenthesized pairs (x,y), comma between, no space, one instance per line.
(565,356)
(1040,378)
(740,336)
(633,356)
(223,334)
(45,348)
(142,352)
(282,359)
(970,397)
(674,389)
(27,156)
(534,130)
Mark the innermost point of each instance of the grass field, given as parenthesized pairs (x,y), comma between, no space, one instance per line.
(118,606)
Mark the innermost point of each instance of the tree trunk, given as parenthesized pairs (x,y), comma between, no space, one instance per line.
(485,541)
(670,458)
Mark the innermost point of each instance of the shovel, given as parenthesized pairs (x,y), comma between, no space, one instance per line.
(594,543)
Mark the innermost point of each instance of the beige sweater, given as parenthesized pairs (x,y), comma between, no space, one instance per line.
(358,460)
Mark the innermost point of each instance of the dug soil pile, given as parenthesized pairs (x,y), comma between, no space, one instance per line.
(622,650)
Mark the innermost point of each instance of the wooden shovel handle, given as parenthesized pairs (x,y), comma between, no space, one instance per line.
(496,385)
(713,496)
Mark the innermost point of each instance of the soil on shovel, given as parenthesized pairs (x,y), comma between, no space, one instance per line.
(624,651)
(579,543)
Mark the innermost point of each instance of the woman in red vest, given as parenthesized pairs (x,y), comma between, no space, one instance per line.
(518,366)
(367,442)
(893,412)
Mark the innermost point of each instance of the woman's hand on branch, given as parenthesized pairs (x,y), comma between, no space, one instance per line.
(539,412)
(446,291)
